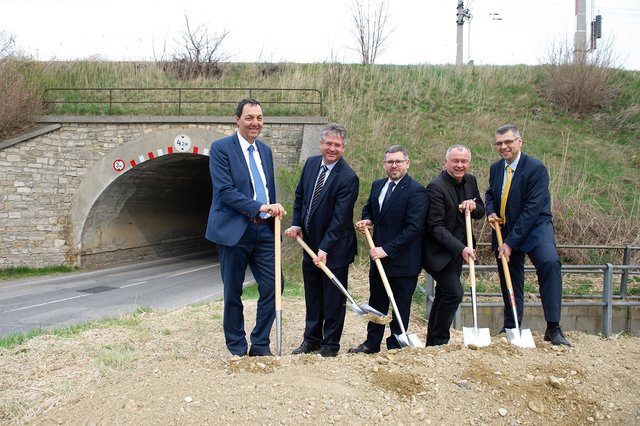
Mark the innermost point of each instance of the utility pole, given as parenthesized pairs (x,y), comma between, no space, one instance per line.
(580,40)
(462,14)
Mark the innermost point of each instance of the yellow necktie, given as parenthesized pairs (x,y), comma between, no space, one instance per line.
(505,194)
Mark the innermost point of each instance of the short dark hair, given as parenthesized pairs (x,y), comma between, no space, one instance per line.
(335,129)
(397,148)
(244,102)
(508,127)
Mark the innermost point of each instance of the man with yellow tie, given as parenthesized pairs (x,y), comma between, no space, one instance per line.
(519,194)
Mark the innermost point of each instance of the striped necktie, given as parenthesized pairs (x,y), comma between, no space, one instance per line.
(316,195)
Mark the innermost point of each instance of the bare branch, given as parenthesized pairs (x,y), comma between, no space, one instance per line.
(370,29)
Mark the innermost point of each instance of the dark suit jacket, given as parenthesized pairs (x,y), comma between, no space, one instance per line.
(331,222)
(233,199)
(528,211)
(398,226)
(445,229)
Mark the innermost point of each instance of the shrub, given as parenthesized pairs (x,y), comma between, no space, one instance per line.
(579,84)
(20,101)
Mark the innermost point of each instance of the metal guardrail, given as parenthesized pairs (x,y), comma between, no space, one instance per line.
(179,97)
(626,258)
(607,299)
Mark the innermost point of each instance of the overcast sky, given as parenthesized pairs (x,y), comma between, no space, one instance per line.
(423,31)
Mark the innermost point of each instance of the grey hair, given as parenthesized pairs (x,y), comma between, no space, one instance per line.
(458,147)
(335,129)
(397,148)
(508,127)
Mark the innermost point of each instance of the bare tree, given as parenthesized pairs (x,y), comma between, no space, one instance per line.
(7,44)
(200,53)
(370,29)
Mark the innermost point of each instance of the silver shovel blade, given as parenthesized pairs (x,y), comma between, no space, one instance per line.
(410,340)
(479,337)
(522,338)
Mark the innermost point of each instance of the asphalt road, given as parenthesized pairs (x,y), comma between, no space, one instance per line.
(54,301)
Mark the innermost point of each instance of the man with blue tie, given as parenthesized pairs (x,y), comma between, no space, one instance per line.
(241,224)
(518,194)
(396,208)
(323,217)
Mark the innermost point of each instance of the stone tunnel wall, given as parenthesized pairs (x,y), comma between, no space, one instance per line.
(40,175)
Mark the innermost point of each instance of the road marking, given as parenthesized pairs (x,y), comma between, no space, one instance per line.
(48,303)
(194,270)
(132,285)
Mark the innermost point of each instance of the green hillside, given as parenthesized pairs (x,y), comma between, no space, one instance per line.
(593,159)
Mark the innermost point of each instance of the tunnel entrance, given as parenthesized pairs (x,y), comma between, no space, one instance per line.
(157,209)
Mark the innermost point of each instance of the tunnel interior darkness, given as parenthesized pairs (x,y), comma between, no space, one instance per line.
(160,203)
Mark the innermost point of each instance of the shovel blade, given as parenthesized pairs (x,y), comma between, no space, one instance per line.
(479,337)
(409,340)
(522,338)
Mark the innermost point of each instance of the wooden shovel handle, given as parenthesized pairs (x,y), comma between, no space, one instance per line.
(472,268)
(385,281)
(278,276)
(505,264)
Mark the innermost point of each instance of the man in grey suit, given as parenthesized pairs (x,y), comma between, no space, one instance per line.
(450,193)
(241,224)
(396,207)
(323,217)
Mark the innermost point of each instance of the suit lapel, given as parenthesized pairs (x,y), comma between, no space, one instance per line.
(241,158)
(394,195)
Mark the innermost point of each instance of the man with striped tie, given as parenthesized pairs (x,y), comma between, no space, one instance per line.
(323,217)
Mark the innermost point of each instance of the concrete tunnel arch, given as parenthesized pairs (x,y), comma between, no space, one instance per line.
(147,198)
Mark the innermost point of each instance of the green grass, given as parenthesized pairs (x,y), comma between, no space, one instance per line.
(131,320)
(23,271)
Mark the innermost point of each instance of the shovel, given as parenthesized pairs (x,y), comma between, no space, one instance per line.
(404,339)
(278,285)
(479,337)
(517,337)
(372,314)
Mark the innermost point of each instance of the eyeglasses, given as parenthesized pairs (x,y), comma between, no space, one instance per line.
(333,145)
(393,162)
(505,143)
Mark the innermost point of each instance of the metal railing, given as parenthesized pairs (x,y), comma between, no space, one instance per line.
(607,299)
(181,98)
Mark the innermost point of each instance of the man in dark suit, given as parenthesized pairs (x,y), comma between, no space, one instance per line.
(323,216)
(241,224)
(396,207)
(452,192)
(528,229)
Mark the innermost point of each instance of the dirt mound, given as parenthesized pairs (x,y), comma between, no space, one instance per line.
(173,368)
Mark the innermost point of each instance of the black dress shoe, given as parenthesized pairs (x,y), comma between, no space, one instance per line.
(306,348)
(556,336)
(327,351)
(364,349)
(253,352)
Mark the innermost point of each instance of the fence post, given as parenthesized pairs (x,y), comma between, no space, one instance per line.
(607,295)
(626,258)
(429,291)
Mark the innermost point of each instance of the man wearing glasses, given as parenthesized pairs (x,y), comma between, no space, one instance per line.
(451,193)
(519,195)
(396,208)
(323,217)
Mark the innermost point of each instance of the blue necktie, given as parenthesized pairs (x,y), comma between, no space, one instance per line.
(261,195)
(388,194)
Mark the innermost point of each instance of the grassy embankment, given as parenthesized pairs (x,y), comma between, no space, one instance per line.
(593,159)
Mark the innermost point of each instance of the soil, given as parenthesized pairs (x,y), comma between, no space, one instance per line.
(172,367)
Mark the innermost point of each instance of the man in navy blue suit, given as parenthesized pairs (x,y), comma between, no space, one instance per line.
(323,216)
(519,194)
(396,207)
(241,224)
(452,192)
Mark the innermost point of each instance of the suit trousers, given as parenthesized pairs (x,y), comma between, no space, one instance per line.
(547,263)
(256,250)
(448,297)
(325,304)
(403,289)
